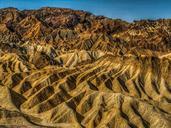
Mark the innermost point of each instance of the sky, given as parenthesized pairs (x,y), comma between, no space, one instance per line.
(128,10)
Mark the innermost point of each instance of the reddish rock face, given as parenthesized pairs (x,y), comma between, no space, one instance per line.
(56,26)
(72,69)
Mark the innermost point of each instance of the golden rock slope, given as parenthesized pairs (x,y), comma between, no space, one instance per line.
(61,68)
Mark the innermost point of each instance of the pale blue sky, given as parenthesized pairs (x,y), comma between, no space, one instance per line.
(124,9)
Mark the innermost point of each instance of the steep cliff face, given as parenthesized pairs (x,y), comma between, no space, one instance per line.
(67,68)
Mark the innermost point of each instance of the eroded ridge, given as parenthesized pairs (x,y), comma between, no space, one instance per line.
(83,71)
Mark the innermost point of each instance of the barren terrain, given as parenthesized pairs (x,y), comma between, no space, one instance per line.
(62,68)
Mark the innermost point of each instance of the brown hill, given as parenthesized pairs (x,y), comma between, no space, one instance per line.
(63,68)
